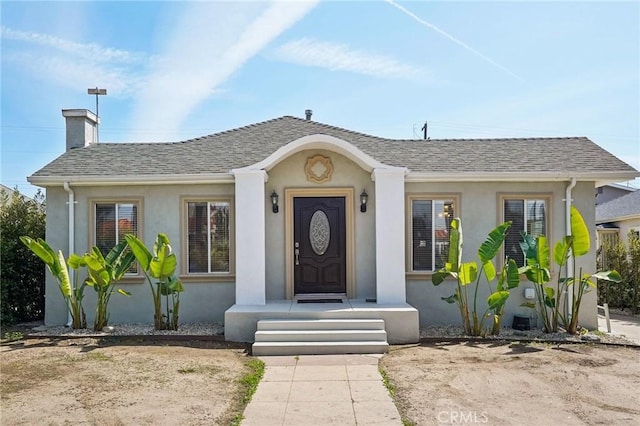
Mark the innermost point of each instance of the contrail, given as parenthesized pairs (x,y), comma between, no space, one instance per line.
(455,40)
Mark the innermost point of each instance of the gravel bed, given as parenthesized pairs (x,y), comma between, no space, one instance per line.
(192,329)
(217,329)
(508,333)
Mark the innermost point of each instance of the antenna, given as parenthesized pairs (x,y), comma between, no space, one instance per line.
(97,92)
(424,128)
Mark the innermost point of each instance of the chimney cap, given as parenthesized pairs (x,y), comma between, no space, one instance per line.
(80,113)
(308,113)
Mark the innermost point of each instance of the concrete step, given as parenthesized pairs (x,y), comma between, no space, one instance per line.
(319,348)
(322,324)
(320,335)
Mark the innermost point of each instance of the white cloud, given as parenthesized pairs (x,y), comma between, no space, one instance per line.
(340,57)
(209,43)
(453,39)
(91,51)
(74,65)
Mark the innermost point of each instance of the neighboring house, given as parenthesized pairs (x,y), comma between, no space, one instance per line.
(612,191)
(291,209)
(616,218)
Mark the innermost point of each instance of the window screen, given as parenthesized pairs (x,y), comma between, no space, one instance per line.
(526,216)
(113,222)
(208,240)
(431,223)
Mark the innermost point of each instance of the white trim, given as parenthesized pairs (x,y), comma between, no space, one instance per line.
(618,218)
(131,179)
(598,177)
(318,141)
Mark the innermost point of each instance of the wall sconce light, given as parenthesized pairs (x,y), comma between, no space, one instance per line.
(364,197)
(274,202)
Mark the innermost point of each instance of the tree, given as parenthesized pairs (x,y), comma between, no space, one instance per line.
(22,273)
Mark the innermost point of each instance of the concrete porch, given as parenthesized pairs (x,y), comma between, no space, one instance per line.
(400,319)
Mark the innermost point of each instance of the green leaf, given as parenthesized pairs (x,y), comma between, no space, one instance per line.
(528,305)
(543,252)
(561,250)
(489,270)
(549,297)
(164,265)
(43,251)
(468,273)
(115,253)
(497,299)
(439,276)
(490,247)
(63,277)
(175,285)
(140,251)
(580,233)
(451,299)
(513,274)
(608,276)
(528,245)
(455,245)
(122,265)
(124,292)
(76,261)
(161,241)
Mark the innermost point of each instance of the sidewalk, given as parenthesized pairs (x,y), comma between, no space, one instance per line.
(622,325)
(321,390)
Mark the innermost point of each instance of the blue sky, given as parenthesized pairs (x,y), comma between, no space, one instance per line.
(178,70)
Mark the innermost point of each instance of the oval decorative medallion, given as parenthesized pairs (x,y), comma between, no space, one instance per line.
(319,232)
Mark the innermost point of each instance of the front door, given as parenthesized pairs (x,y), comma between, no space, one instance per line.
(319,245)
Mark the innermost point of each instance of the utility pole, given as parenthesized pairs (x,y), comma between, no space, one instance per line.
(97,92)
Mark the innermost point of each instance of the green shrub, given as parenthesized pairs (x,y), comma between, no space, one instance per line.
(23,274)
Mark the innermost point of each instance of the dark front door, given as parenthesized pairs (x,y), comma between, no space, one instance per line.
(319,245)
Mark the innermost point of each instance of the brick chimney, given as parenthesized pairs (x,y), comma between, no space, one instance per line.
(81,128)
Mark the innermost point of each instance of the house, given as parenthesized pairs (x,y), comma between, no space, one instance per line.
(617,217)
(290,210)
(612,191)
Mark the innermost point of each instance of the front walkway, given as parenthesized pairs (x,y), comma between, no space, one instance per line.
(622,325)
(321,390)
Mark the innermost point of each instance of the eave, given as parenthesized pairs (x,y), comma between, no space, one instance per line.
(214,178)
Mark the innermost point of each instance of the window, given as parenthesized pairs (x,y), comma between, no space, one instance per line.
(430,226)
(526,215)
(208,236)
(112,222)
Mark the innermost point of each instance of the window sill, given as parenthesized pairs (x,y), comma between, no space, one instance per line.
(415,276)
(207,278)
(132,279)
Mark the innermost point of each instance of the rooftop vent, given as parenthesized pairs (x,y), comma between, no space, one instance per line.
(308,113)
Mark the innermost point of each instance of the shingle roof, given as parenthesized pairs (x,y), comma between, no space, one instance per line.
(221,152)
(625,206)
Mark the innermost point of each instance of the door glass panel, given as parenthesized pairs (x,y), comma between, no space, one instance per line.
(319,232)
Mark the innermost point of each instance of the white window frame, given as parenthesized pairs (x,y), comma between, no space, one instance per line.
(186,275)
(433,197)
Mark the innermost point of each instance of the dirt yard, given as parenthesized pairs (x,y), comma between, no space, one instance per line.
(516,384)
(78,381)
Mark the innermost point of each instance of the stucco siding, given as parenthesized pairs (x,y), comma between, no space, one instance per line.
(159,212)
(480,212)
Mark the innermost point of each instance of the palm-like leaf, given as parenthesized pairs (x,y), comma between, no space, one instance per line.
(490,247)
(455,245)
(65,281)
(580,233)
(561,250)
(140,251)
(468,273)
(164,264)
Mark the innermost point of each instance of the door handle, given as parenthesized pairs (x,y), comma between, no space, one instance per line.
(296,252)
